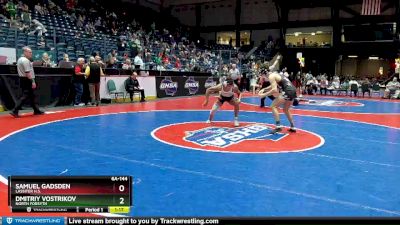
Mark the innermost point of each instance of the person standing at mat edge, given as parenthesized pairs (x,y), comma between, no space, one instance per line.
(93,72)
(27,83)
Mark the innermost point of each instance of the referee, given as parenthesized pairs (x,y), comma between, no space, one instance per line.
(27,83)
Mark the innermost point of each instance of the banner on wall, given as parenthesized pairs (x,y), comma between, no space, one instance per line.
(7,55)
(171,86)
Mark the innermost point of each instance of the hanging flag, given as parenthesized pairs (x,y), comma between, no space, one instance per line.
(371,7)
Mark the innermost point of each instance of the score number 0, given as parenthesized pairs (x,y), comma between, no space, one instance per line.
(121,188)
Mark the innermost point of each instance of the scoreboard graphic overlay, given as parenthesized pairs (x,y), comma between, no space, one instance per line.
(87,194)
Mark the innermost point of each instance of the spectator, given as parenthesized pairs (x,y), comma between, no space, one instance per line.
(310,85)
(41,43)
(39,28)
(45,10)
(26,19)
(65,63)
(112,55)
(323,85)
(127,65)
(100,62)
(234,73)
(97,24)
(351,82)
(11,9)
(73,17)
(80,22)
(315,85)
(132,85)
(70,4)
(112,64)
(46,62)
(38,9)
(366,81)
(138,61)
(78,80)
(93,72)
(392,89)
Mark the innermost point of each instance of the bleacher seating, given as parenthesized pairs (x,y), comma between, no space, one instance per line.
(62,31)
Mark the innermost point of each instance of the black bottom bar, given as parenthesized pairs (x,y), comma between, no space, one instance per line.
(60,209)
(226,221)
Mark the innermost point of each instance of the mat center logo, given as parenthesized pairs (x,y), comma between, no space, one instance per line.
(224,137)
(331,103)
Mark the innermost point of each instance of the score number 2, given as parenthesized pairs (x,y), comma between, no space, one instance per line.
(121,188)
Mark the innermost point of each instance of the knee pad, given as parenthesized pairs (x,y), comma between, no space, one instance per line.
(215,107)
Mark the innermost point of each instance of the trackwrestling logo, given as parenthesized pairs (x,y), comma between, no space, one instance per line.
(224,137)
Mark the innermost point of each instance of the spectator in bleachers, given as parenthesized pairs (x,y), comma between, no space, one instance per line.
(354,81)
(52,8)
(79,79)
(45,10)
(178,64)
(392,89)
(310,85)
(112,55)
(336,78)
(3,8)
(39,28)
(38,9)
(46,62)
(73,17)
(93,72)
(315,85)
(80,21)
(234,73)
(114,29)
(65,62)
(15,23)
(127,65)
(26,19)
(98,24)
(112,64)
(100,62)
(138,61)
(323,85)
(11,9)
(132,85)
(41,42)
(367,82)
(20,6)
